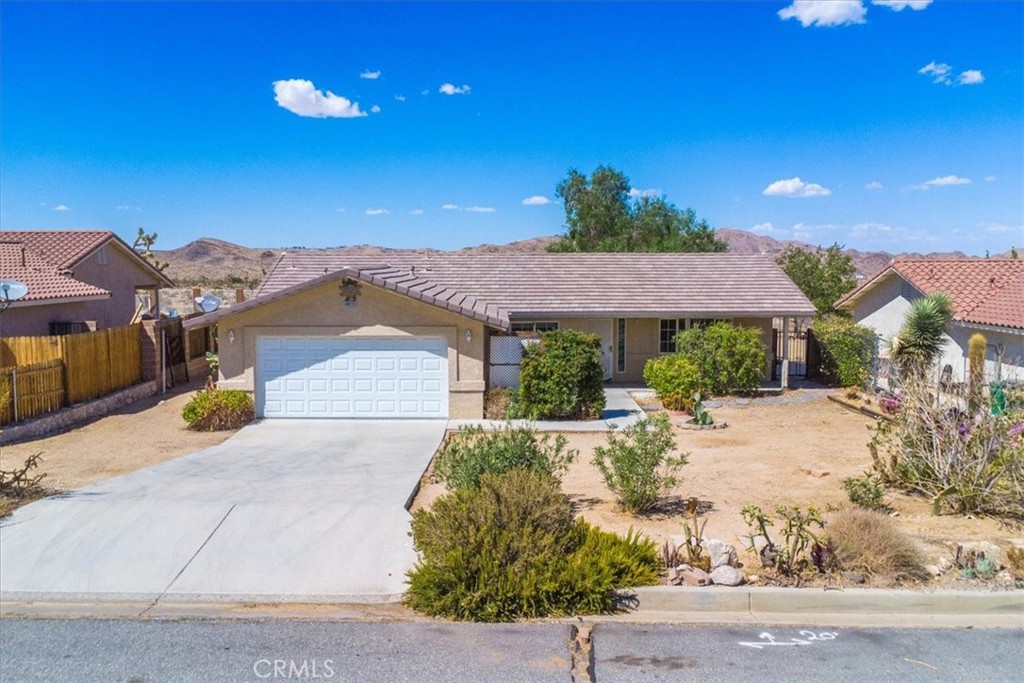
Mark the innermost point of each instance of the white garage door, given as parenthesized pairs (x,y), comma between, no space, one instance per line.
(329,377)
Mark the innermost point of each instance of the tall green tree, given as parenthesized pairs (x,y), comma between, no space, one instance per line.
(600,215)
(823,275)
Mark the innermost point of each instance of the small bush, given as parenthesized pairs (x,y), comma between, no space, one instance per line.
(866,492)
(213,410)
(801,548)
(872,543)
(510,549)
(471,453)
(728,358)
(22,482)
(496,403)
(637,466)
(1015,561)
(561,378)
(847,350)
(674,378)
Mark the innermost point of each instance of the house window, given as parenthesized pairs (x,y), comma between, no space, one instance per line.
(620,346)
(535,326)
(670,327)
(103,256)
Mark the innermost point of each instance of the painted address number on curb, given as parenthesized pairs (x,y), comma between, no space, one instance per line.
(806,638)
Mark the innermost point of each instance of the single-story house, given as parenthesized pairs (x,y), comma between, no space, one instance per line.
(416,335)
(987,297)
(78,280)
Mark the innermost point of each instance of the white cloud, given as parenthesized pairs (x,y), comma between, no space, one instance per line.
(416,212)
(794,187)
(451,89)
(375,109)
(649,192)
(481,209)
(536,200)
(424,92)
(123,207)
(767,228)
(900,5)
(370,75)
(825,12)
(944,181)
(971,77)
(376,212)
(1000,227)
(42,203)
(61,207)
(340,210)
(874,185)
(990,179)
(450,207)
(301,97)
(400,98)
(939,73)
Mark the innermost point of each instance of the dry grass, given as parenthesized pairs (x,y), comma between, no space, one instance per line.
(1015,561)
(496,403)
(871,542)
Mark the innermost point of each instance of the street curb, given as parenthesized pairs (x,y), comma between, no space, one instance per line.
(765,602)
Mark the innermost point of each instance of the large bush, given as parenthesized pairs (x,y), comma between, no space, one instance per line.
(674,378)
(471,453)
(637,466)
(510,549)
(729,358)
(847,350)
(213,410)
(561,378)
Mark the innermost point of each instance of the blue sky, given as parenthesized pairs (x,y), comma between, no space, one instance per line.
(894,125)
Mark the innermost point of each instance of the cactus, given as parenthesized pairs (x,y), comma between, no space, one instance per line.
(700,414)
(976,346)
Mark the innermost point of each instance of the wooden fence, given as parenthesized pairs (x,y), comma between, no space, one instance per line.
(30,390)
(94,363)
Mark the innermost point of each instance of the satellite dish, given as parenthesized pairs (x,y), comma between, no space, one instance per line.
(12,290)
(208,303)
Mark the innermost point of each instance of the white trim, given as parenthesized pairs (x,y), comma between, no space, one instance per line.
(988,328)
(62,300)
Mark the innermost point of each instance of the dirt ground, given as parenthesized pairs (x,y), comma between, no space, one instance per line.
(143,433)
(790,454)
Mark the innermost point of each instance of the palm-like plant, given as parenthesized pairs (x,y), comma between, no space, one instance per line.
(920,340)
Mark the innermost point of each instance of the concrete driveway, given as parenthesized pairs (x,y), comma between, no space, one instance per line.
(285,510)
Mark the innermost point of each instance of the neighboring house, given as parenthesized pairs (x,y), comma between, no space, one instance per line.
(987,297)
(410,335)
(78,280)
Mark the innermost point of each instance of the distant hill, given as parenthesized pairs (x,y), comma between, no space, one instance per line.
(209,262)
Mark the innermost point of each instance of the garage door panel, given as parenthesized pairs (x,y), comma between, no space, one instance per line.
(368,377)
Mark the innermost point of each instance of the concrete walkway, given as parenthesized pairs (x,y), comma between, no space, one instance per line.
(285,510)
(620,411)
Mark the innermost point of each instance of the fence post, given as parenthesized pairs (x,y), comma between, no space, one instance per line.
(14,392)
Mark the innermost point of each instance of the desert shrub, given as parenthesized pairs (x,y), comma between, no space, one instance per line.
(801,547)
(214,410)
(674,379)
(872,543)
(1015,561)
(472,452)
(561,378)
(866,492)
(847,350)
(509,549)
(637,465)
(728,358)
(967,462)
(496,403)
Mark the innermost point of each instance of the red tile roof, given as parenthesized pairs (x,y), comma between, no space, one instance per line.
(982,291)
(515,285)
(45,281)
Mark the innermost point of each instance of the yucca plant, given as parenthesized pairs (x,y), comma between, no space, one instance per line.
(919,343)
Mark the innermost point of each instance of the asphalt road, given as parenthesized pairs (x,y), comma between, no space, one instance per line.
(150,651)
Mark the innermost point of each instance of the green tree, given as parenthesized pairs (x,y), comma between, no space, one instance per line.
(143,245)
(823,275)
(601,216)
(919,342)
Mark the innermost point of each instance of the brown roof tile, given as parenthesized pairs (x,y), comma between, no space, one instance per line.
(45,281)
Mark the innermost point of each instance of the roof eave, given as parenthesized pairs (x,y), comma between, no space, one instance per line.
(58,300)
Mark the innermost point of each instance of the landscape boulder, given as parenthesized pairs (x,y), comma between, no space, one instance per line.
(720,553)
(727,576)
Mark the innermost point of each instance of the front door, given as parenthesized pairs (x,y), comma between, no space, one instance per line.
(605,329)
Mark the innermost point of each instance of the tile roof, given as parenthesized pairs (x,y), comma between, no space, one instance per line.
(45,281)
(517,285)
(983,291)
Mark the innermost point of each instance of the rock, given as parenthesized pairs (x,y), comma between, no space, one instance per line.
(945,564)
(726,576)
(754,579)
(759,543)
(815,472)
(854,577)
(673,574)
(1005,579)
(721,553)
(684,568)
(964,551)
(933,570)
(696,577)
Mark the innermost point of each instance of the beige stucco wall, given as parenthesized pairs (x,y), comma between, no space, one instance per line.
(643,341)
(379,313)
